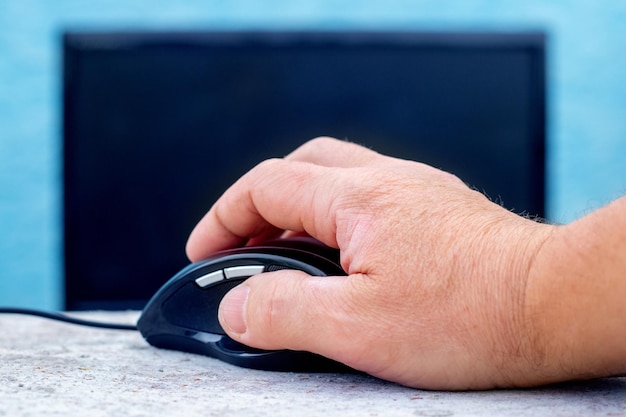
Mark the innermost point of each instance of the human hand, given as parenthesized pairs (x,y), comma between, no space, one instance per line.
(435,295)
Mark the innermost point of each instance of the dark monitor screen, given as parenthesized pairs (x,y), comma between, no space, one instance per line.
(158,125)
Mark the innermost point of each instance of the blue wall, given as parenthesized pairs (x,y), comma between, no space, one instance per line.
(587,108)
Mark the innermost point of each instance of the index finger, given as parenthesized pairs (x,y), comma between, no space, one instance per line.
(295,194)
(275,196)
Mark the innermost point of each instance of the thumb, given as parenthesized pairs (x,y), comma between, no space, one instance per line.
(290,309)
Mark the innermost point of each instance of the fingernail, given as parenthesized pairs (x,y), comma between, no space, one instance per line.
(232,308)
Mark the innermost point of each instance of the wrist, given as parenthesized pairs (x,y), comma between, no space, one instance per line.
(575,298)
(517,342)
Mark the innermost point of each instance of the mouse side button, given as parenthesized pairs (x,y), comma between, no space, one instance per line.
(210,279)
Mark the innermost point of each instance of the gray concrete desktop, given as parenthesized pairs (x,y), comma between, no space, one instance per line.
(55,369)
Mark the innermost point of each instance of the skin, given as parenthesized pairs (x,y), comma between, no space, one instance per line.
(445,289)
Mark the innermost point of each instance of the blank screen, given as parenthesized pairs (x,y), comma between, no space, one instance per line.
(158,125)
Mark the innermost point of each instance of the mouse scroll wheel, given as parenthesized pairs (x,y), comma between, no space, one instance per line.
(272,268)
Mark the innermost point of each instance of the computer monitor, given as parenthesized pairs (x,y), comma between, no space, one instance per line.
(158,125)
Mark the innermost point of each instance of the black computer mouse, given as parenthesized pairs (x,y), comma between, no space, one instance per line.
(182,315)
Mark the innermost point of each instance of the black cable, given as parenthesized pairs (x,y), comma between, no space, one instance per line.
(66,319)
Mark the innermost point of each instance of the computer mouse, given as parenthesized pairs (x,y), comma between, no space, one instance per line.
(182,315)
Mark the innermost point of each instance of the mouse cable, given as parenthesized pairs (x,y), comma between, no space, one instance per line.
(66,318)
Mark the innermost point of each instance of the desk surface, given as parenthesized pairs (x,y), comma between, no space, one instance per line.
(53,369)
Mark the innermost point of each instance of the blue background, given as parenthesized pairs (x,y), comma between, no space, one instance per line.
(586,163)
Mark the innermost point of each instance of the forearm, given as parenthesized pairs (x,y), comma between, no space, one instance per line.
(576,297)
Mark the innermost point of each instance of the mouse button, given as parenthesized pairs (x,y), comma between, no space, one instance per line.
(243,271)
(210,278)
(193,308)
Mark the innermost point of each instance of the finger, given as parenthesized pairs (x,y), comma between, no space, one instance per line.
(332,152)
(232,223)
(292,310)
(275,196)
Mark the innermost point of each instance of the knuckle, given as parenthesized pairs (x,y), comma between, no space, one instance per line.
(321,141)
(270,164)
